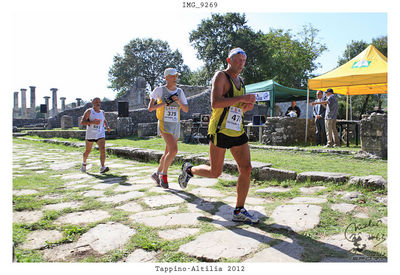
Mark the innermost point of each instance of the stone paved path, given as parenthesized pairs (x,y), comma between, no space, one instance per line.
(62,215)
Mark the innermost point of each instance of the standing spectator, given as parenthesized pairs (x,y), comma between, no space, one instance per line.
(330,118)
(319,116)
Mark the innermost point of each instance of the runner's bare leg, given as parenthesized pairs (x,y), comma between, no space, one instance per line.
(87,150)
(101,143)
(242,156)
(172,146)
(217,156)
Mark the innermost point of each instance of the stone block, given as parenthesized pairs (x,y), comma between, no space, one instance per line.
(373,181)
(82,127)
(373,134)
(124,126)
(268,174)
(66,122)
(322,176)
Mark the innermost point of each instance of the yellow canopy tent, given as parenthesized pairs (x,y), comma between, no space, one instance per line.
(364,74)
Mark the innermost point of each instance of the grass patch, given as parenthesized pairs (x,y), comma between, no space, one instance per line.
(177,257)
(28,256)
(72,233)
(147,239)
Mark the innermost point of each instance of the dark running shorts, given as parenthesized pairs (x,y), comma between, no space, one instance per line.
(224,141)
(94,140)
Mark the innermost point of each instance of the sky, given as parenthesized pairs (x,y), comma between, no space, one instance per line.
(73,49)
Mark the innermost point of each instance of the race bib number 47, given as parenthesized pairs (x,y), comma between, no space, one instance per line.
(234,120)
(171,114)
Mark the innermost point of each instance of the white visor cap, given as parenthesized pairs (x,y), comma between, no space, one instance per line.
(170,71)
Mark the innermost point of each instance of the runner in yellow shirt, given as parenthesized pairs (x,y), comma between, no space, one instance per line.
(168,100)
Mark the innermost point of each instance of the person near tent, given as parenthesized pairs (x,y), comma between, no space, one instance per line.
(319,120)
(330,118)
(293,110)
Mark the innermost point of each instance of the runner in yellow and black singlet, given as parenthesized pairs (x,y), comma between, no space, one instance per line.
(228,102)
(226,124)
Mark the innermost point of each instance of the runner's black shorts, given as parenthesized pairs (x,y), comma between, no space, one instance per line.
(224,141)
(94,140)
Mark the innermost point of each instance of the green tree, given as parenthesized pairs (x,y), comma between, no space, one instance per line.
(278,54)
(292,58)
(199,77)
(147,58)
(215,37)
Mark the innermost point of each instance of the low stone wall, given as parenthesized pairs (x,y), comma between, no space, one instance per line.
(285,131)
(112,119)
(193,90)
(79,134)
(19,122)
(147,129)
(373,131)
(55,122)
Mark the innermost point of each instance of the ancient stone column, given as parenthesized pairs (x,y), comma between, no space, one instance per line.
(15,109)
(78,101)
(54,111)
(46,101)
(32,110)
(62,103)
(23,103)
(33,97)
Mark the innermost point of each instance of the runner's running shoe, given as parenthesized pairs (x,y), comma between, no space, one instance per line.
(163,181)
(155,177)
(184,177)
(244,216)
(104,169)
(83,167)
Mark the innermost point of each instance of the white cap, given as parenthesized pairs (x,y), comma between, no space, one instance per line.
(236,51)
(170,71)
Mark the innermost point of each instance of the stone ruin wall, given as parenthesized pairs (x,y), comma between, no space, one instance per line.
(286,131)
(374,137)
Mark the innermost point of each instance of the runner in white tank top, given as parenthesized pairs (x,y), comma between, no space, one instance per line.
(95,122)
(95,131)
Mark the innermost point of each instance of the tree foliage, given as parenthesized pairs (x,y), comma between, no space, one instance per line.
(279,55)
(215,37)
(147,58)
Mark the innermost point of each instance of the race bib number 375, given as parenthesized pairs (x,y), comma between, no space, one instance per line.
(234,120)
(171,114)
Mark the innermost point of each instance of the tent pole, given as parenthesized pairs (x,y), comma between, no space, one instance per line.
(272,102)
(351,110)
(308,99)
(347,107)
